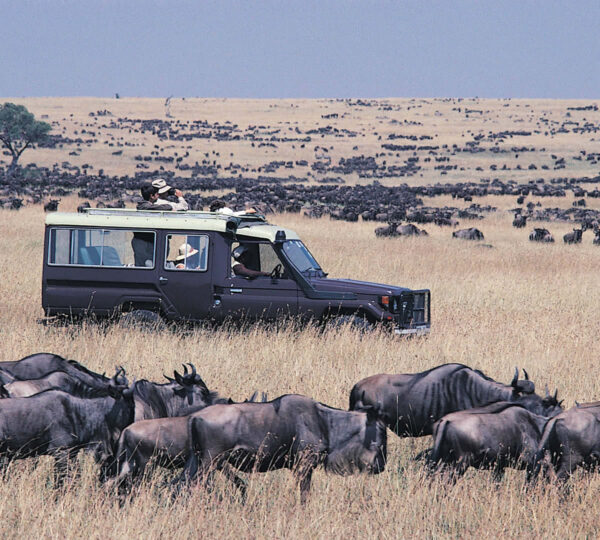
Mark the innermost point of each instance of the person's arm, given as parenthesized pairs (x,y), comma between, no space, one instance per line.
(181,203)
(240,270)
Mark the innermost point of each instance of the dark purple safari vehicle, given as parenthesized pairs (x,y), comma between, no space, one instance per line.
(177,266)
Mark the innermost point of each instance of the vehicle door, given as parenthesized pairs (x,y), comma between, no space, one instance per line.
(184,274)
(261,297)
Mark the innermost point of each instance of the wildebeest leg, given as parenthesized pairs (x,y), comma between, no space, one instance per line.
(498,472)
(62,458)
(239,483)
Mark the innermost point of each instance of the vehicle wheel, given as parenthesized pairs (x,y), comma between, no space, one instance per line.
(353,321)
(142,318)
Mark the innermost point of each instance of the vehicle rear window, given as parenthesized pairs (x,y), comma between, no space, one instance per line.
(187,252)
(102,247)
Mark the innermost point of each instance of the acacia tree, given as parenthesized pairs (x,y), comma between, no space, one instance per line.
(19,130)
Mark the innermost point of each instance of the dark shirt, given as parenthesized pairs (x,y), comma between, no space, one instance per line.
(147,205)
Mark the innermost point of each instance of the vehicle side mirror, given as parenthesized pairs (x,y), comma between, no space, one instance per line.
(280,237)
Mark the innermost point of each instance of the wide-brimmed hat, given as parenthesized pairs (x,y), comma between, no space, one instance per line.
(161,185)
(185,251)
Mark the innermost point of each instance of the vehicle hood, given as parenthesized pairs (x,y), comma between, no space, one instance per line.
(356,287)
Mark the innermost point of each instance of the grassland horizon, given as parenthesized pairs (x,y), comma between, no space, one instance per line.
(493,308)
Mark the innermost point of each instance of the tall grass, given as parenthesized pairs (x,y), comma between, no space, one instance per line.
(514,303)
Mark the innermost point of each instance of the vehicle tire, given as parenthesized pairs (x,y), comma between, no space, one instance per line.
(355,322)
(142,318)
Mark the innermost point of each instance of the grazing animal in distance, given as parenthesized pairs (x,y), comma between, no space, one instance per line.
(496,436)
(83,207)
(573,237)
(520,221)
(292,432)
(541,235)
(410,404)
(51,205)
(468,234)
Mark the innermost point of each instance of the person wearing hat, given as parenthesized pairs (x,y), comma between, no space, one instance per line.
(163,190)
(150,196)
(181,261)
(240,260)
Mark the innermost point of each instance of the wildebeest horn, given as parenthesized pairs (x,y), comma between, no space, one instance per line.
(252,398)
(556,393)
(168,378)
(185,370)
(193,368)
(264,397)
(178,378)
(547,391)
(526,375)
(516,377)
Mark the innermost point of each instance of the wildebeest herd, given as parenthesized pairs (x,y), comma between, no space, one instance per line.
(53,406)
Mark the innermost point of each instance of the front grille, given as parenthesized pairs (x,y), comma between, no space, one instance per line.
(413,308)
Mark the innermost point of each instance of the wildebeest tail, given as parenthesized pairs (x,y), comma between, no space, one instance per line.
(355,397)
(439,433)
(544,446)
(190,469)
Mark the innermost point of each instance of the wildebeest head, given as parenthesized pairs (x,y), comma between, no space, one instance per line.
(118,383)
(522,386)
(548,406)
(357,443)
(189,390)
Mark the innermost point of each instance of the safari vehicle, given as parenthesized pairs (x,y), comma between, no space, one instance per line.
(177,266)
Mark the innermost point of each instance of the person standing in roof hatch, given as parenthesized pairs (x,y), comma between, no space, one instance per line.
(164,190)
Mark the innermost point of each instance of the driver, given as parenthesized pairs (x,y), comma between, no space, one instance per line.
(238,264)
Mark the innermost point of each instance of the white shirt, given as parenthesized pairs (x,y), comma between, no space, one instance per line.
(180,205)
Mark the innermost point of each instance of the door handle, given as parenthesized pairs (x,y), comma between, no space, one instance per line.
(162,280)
(234,290)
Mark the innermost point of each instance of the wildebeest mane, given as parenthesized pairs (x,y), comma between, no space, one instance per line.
(82,368)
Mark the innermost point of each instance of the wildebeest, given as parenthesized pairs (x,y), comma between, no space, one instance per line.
(410,230)
(573,237)
(163,439)
(468,234)
(411,403)
(541,235)
(496,436)
(571,440)
(39,365)
(83,207)
(51,205)
(520,221)
(292,431)
(59,380)
(59,424)
(181,396)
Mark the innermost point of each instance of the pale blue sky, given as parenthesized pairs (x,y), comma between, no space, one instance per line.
(278,49)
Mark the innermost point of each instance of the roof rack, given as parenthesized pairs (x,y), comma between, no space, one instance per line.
(190,214)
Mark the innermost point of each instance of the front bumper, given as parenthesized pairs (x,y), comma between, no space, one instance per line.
(423,331)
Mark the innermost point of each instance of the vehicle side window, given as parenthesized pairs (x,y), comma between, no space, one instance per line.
(102,247)
(268,257)
(187,252)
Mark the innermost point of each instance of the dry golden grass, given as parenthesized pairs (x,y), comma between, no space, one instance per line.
(492,308)
(448,122)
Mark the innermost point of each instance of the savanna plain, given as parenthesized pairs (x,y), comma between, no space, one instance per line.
(495,305)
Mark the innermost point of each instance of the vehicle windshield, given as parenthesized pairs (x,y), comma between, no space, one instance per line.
(300,257)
